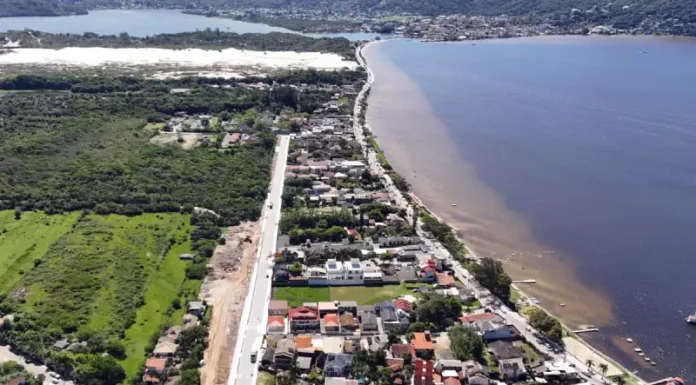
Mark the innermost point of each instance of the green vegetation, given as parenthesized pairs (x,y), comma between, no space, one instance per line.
(9,8)
(445,235)
(490,273)
(10,370)
(24,242)
(163,288)
(369,295)
(546,325)
(298,295)
(302,224)
(303,25)
(530,353)
(466,344)
(69,151)
(438,311)
(265,378)
(208,39)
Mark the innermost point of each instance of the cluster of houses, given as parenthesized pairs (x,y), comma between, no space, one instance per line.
(164,355)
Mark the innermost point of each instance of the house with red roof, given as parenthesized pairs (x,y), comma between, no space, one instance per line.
(304,319)
(331,323)
(276,324)
(445,280)
(422,342)
(402,304)
(423,373)
(399,350)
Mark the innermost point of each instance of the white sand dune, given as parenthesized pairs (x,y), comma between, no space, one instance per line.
(226,58)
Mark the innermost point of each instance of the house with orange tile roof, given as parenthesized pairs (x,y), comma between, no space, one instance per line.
(154,369)
(472,318)
(276,324)
(331,323)
(303,342)
(402,304)
(422,342)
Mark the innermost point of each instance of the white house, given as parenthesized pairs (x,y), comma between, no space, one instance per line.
(334,269)
(352,269)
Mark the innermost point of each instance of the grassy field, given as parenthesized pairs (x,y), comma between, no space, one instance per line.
(370,295)
(26,240)
(297,295)
(97,275)
(165,284)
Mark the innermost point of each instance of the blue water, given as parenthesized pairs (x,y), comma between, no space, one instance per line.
(141,23)
(593,142)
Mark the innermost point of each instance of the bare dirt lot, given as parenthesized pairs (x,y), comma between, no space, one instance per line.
(225,289)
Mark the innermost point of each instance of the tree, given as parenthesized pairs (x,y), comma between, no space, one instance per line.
(61,362)
(190,377)
(603,368)
(438,310)
(315,378)
(18,214)
(465,343)
(620,380)
(116,349)
(490,274)
(547,325)
(99,370)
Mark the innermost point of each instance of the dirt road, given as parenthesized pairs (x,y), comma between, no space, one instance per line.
(225,289)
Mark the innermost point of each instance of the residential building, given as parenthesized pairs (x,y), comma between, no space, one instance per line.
(445,280)
(496,331)
(328,307)
(278,307)
(334,269)
(512,369)
(338,365)
(339,381)
(399,350)
(331,323)
(197,308)
(352,269)
(348,306)
(333,345)
(304,319)
(423,372)
(276,324)
(284,353)
(422,342)
(503,350)
(444,365)
(165,349)
(348,322)
(368,321)
(154,368)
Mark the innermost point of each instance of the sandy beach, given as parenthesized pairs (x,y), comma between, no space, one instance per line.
(139,57)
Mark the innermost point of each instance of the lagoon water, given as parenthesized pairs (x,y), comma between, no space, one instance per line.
(141,23)
(573,159)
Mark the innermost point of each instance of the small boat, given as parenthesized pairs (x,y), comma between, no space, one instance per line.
(647,359)
(637,350)
(629,340)
(454,205)
(562,305)
(641,354)
(691,319)
(653,363)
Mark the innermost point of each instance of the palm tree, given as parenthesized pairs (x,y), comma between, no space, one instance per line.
(603,368)
(589,364)
(620,380)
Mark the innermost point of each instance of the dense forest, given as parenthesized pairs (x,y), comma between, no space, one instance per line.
(89,149)
(208,39)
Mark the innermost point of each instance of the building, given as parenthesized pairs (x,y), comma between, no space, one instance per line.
(512,369)
(503,350)
(333,345)
(338,365)
(284,353)
(196,308)
(352,269)
(348,322)
(422,343)
(278,307)
(445,280)
(334,269)
(368,321)
(304,319)
(154,368)
(165,349)
(423,373)
(276,324)
(331,323)
(327,307)
(348,307)
(496,331)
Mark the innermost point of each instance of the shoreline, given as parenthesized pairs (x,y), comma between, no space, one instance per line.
(362,61)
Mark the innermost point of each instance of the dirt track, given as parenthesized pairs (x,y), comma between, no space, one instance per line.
(225,289)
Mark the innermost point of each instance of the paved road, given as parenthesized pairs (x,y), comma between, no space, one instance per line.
(252,325)
(7,355)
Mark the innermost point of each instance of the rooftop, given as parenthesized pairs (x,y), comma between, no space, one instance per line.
(422,341)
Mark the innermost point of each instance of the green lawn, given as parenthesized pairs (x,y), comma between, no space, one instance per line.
(530,353)
(369,295)
(265,378)
(25,240)
(164,285)
(297,295)
(96,276)
(515,295)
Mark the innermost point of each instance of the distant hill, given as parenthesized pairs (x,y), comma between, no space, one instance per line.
(681,14)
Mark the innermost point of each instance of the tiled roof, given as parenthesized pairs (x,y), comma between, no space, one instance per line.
(399,350)
(445,280)
(278,304)
(303,342)
(158,364)
(422,341)
(276,320)
(477,317)
(303,312)
(331,320)
(402,304)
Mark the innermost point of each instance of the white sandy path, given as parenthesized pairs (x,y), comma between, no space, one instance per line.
(230,57)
